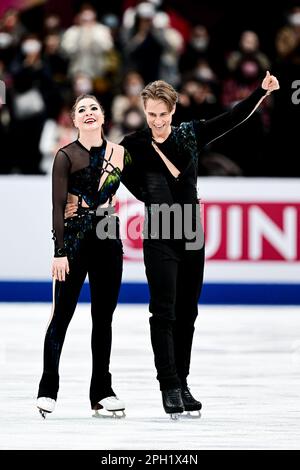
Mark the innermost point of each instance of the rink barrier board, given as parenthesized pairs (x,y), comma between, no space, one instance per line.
(252,239)
(138,293)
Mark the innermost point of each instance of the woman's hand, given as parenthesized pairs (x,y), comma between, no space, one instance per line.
(60,267)
(70,210)
(270,83)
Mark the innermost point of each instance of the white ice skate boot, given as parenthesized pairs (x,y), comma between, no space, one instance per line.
(45,405)
(110,407)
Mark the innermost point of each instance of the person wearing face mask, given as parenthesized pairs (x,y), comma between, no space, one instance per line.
(10,24)
(132,120)
(130,96)
(243,80)
(87,44)
(141,41)
(52,25)
(197,49)
(249,49)
(294,17)
(173,47)
(86,175)
(54,59)
(34,98)
(82,84)
(7,48)
(245,67)
(31,48)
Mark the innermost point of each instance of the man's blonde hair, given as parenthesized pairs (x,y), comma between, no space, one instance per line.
(160,90)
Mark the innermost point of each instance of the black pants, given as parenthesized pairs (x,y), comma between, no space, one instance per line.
(102,260)
(175,278)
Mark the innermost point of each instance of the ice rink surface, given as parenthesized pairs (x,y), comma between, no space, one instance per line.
(245,369)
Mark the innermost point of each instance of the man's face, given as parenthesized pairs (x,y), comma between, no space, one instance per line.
(158,117)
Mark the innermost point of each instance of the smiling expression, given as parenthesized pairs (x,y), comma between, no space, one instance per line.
(159,118)
(88,115)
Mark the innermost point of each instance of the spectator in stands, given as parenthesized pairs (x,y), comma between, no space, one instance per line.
(132,87)
(288,37)
(133,119)
(11,32)
(82,84)
(55,135)
(173,46)
(197,49)
(87,44)
(113,23)
(54,58)
(12,25)
(196,100)
(141,42)
(245,67)
(52,25)
(249,49)
(33,98)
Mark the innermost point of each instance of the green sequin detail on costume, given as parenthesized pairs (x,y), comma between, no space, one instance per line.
(184,135)
(85,183)
(127,158)
(110,185)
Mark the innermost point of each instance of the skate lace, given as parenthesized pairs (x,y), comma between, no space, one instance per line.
(186,391)
(174,393)
(186,394)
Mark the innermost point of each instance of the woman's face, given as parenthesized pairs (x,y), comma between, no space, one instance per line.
(88,115)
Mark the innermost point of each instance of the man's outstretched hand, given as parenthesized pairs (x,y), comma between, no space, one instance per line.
(270,83)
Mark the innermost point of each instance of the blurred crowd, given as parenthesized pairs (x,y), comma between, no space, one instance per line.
(114,56)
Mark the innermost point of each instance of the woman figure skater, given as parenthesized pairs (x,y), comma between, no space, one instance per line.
(87,173)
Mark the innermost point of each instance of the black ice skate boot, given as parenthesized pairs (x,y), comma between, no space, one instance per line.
(189,402)
(172,402)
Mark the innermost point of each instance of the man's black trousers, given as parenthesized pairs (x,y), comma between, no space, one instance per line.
(175,277)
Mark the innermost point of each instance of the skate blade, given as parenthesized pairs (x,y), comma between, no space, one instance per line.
(116,414)
(175,416)
(192,414)
(43,413)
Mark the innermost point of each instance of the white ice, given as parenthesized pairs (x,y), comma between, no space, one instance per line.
(245,369)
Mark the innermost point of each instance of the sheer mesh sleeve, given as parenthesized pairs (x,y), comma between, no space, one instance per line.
(212,129)
(60,175)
